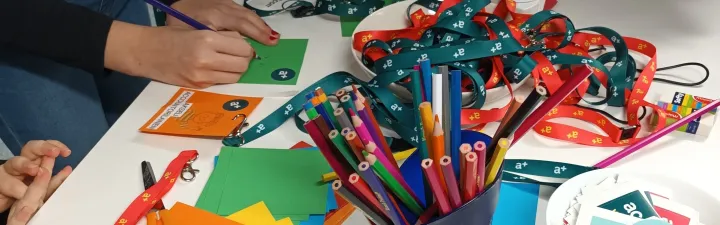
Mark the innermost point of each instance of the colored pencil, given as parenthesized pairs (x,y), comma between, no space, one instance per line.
(437,95)
(347,104)
(345,131)
(427,215)
(436,186)
(360,128)
(326,150)
(355,144)
(310,110)
(657,135)
(382,196)
(394,185)
(360,96)
(479,149)
(551,102)
(446,124)
(428,123)
(309,95)
(420,134)
(455,107)
(426,78)
(463,150)
(363,188)
(394,203)
(339,93)
(398,156)
(373,149)
(526,107)
(373,125)
(328,108)
(343,119)
(324,128)
(438,145)
(470,184)
(177,14)
(324,114)
(339,143)
(496,161)
(514,105)
(450,182)
(368,122)
(350,197)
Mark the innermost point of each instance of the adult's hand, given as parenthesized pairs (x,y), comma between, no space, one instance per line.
(225,15)
(18,169)
(184,57)
(42,186)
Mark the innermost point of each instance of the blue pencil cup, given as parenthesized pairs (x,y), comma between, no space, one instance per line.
(478,211)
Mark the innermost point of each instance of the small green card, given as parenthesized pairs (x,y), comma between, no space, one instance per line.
(348,25)
(279,64)
(632,204)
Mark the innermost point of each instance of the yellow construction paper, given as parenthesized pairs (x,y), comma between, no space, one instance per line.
(257,214)
(285,221)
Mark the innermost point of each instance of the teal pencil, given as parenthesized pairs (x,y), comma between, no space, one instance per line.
(339,142)
(347,104)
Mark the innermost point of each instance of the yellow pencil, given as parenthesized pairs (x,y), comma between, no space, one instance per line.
(497,159)
(398,156)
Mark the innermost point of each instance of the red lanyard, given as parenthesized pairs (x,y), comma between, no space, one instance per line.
(145,201)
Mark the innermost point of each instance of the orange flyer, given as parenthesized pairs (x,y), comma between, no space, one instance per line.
(198,113)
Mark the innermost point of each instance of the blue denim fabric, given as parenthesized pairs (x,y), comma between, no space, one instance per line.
(41,99)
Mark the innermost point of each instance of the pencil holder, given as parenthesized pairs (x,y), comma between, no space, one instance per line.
(478,211)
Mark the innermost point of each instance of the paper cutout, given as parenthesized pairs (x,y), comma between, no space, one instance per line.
(284,221)
(286,180)
(652,222)
(517,203)
(198,113)
(279,64)
(257,214)
(348,25)
(182,214)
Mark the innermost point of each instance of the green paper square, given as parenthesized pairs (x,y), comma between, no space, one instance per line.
(279,64)
(286,180)
(348,25)
(212,192)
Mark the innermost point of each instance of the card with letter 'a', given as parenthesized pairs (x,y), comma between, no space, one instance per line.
(621,200)
(203,114)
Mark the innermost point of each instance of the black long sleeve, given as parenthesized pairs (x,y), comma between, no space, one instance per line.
(57,30)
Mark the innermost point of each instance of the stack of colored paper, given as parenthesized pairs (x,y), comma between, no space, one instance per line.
(258,214)
(285,180)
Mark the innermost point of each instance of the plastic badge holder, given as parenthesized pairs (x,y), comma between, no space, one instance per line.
(478,211)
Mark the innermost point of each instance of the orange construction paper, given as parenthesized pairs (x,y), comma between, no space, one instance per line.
(182,214)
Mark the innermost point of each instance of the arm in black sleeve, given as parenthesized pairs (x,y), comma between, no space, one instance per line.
(57,30)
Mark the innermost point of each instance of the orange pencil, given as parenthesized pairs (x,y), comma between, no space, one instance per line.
(363,188)
(355,144)
(438,145)
(464,150)
(469,188)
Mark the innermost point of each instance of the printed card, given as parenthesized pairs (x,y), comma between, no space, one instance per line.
(198,113)
(625,199)
(675,213)
(600,216)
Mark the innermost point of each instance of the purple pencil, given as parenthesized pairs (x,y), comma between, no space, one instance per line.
(374,183)
(479,148)
(653,137)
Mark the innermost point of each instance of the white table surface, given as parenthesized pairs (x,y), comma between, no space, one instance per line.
(104,184)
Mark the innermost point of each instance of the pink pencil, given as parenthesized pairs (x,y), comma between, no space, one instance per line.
(372,148)
(654,136)
(360,128)
(479,148)
(450,182)
(551,102)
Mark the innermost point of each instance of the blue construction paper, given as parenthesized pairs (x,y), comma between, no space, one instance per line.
(314,220)
(331,203)
(413,174)
(517,204)
(215,161)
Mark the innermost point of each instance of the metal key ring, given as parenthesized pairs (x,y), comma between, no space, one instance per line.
(188,169)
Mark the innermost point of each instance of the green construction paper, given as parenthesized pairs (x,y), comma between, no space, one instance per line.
(212,192)
(286,180)
(348,25)
(293,217)
(279,64)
